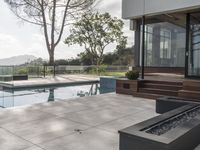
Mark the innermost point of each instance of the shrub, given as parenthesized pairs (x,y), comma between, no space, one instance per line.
(22,71)
(102,69)
(132,75)
(97,70)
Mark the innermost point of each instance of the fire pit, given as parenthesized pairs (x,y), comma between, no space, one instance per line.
(177,129)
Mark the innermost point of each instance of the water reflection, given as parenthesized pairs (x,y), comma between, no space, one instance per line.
(20,97)
(51,95)
(93,91)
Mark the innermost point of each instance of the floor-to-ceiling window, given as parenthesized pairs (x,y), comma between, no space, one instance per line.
(194,45)
(164,45)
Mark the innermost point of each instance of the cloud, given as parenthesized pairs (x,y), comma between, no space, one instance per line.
(29,39)
(111,6)
(37,46)
(114,7)
(9,45)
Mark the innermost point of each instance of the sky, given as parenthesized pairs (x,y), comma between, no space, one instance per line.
(20,38)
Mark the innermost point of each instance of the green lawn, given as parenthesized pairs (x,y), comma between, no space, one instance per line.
(115,74)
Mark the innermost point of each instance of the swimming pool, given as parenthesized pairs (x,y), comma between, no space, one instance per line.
(28,96)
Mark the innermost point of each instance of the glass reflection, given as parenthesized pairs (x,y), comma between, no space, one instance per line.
(164,45)
(51,95)
(194,45)
(93,91)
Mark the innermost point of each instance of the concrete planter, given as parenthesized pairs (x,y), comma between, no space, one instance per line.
(177,128)
(167,103)
(125,86)
(183,137)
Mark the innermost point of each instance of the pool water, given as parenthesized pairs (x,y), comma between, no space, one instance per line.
(20,97)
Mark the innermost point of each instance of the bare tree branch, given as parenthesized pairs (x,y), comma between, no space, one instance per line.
(45,27)
(52,15)
(63,22)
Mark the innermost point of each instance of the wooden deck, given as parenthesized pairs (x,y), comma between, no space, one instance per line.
(164,77)
(158,85)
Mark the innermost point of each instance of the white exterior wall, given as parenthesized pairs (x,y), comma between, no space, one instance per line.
(136,8)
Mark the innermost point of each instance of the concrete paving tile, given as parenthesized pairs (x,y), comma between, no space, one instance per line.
(116,99)
(116,125)
(34,148)
(64,107)
(93,102)
(144,115)
(56,125)
(59,107)
(94,117)
(113,101)
(125,109)
(92,139)
(8,141)
(43,130)
(21,115)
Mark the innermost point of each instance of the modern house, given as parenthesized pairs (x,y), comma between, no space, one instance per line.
(171,30)
(167,40)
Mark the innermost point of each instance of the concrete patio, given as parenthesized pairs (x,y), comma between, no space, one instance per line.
(58,80)
(89,123)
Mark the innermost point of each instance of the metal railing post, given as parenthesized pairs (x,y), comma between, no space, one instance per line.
(143,45)
(54,70)
(44,69)
(38,71)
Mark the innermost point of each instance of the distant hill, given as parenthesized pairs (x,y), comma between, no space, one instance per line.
(17,60)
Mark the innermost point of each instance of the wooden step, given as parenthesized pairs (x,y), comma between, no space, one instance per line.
(147,95)
(163,82)
(191,88)
(159,91)
(191,85)
(124,91)
(162,86)
(189,94)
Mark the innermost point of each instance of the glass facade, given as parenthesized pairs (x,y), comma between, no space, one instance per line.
(194,45)
(164,45)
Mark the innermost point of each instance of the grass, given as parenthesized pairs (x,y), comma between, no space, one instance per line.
(114,74)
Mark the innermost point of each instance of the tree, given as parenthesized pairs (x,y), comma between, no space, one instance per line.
(84,58)
(51,15)
(95,32)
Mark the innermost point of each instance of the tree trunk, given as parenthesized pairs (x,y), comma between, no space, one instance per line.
(99,63)
(98,66)
(51,57)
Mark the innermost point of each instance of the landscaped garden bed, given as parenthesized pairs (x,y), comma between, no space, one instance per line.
(128,85)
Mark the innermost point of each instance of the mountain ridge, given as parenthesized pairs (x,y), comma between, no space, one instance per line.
(17,60)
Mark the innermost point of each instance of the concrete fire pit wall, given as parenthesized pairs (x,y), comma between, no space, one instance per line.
(185,136)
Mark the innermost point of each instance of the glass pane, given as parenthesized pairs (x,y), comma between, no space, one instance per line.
(194,45)
(164,45)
